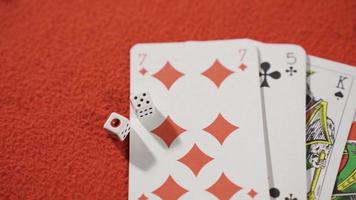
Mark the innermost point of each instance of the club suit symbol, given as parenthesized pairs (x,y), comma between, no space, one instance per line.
(265,66)
(274,192)
(291,71)
(290,197)
(339,95)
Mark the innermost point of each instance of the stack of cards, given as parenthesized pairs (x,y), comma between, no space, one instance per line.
(240,119)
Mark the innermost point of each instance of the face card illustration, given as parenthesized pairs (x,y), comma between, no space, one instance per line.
(331,97)
(282,73)
(206,139)
(345,185)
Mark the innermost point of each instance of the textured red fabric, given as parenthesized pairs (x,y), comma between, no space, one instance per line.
(64,66)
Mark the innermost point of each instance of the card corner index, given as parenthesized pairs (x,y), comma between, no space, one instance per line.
(251,45)
(299,49)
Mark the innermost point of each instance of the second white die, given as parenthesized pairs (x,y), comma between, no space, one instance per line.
(118,125)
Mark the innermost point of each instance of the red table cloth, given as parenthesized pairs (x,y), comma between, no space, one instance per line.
(64,66)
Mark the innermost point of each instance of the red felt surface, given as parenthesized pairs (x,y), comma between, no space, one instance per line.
(64,66)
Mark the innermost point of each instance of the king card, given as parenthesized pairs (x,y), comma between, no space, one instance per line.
(206,138)
(331,97)
(345,185)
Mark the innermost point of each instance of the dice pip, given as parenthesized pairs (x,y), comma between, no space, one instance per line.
(118,125)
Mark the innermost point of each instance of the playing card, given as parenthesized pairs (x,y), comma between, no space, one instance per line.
(331,98)
(345,185)
(206,140)
(282,73)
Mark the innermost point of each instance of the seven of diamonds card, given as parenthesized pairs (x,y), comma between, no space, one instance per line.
(331,98)
(206,139)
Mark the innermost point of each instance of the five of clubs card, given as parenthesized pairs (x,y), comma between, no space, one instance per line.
(240,119)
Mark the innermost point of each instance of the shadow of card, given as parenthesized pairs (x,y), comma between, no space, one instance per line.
(310,99)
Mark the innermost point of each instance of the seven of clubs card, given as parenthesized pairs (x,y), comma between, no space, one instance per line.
(331,97)
(206,140)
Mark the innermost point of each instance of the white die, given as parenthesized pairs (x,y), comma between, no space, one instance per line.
(145,112)
(143,105)
(118,125)
(141,100)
